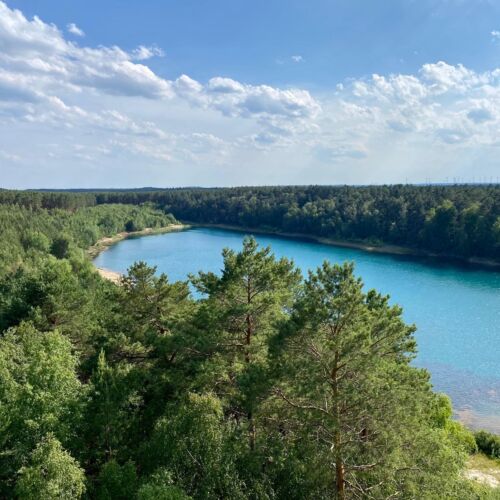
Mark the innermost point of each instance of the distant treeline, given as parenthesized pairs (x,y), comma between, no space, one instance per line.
(461,221)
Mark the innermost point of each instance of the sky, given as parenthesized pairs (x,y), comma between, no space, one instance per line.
(222,93)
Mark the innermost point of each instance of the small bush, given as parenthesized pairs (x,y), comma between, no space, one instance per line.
(488,443)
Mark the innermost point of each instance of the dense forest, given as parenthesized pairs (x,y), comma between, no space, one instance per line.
(262,384)
(457,221)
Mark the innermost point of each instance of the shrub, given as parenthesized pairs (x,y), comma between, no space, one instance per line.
(488,443)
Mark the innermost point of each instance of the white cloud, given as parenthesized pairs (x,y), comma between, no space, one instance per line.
(442,77)
(297,59)
(143,53)
(29,49)
(495,35)
(122,113)
(225,86)
(75,30)
(37,55)
(446,103)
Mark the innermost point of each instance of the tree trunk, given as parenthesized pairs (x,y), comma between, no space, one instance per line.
(339,463)
(339,480)
(248,341)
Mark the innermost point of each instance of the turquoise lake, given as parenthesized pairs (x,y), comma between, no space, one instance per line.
(456,309)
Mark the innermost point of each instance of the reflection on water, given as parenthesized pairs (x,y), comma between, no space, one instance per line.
(456,308)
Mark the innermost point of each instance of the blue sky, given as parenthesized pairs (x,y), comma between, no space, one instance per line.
(245,40)
(99,94)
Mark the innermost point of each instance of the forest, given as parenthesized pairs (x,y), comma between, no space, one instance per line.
(255,383)
(460,221)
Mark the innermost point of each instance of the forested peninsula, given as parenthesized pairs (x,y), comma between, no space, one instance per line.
(264,384)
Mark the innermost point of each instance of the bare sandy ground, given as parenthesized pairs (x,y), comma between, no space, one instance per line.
(482,477)
(109,275)
(483,469)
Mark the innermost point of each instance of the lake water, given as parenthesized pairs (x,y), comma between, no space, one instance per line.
(456,309)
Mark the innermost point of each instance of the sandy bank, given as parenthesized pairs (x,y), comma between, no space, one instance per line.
(106,242)
(109,275)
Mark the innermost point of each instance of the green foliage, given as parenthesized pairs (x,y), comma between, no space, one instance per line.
(488,443)
(266,386)
(160,487)
(192,442)
(39,393)
(52,474)
(131,226)
(345,378)
(117,482)
(60,247)
(110,411)
(245,305)
(460,221)
(35,240)
(30,227)
(441,417)
(45,291)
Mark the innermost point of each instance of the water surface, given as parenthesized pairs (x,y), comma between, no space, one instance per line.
(456,309)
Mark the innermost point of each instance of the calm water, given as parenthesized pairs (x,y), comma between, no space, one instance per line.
(456,309)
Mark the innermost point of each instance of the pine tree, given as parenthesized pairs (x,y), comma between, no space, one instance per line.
(243,309)
(347,385)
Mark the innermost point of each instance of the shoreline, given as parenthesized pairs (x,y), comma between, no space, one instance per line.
(104,243)
(108,274)
(358,245)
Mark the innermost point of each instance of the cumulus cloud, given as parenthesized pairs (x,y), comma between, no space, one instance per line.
(32,48)
(297,59)
(225,86)
(447,103)
(75,30)
(235,99)
(17,88)
(38,62)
